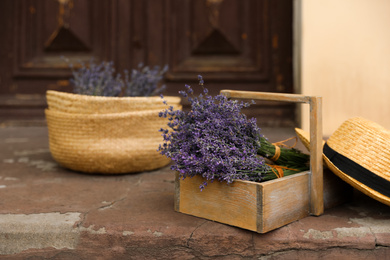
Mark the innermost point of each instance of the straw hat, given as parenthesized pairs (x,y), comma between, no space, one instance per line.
(359,153)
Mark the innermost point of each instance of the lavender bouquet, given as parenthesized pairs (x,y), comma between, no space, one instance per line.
(216,141)
(100,80)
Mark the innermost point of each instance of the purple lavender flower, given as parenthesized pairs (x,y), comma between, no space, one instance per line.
(214,139)
(100,80)
(97,80)
(144,82)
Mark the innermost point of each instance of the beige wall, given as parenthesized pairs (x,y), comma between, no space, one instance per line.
(345,58)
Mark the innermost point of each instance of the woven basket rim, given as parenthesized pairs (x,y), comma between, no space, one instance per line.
(74,96)
(107,115)
(83,104)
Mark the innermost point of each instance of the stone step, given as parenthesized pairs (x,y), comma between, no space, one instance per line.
(47,212)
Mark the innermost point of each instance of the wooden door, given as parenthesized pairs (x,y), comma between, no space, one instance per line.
(233,44)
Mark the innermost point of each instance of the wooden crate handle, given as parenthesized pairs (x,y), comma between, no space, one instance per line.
(316,168)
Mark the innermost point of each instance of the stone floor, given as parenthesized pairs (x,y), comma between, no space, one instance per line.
(47,212)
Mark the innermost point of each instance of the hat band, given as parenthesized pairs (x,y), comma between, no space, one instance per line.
(358,172)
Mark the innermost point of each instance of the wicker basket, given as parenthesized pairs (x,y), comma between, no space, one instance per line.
(84,104)
(108,143)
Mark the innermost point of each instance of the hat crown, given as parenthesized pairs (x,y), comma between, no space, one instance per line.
(364,142)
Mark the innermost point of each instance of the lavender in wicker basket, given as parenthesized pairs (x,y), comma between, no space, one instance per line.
(144,82)
(100,80)
(97,80)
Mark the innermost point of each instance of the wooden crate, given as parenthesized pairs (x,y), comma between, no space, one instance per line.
(265,206)
(259,207)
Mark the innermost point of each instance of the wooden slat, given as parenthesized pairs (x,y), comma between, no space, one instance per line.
(284,201)
(233,204)
(316,191)
(266,96)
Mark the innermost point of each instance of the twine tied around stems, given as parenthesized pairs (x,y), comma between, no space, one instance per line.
(286,160)
(282,144)
(278,170)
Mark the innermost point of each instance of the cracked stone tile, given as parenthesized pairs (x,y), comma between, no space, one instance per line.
(31,152)
(16,140)
(127,233)
(376,225)
(20,232)
(11,179)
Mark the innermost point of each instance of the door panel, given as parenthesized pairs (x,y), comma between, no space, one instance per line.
(233,44)
(47,30)
(225,40)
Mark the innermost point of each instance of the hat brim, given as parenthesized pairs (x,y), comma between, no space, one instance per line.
(305,139)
